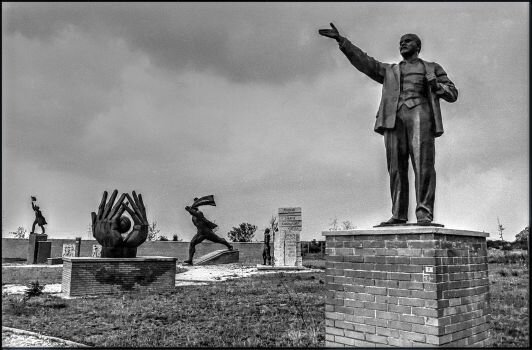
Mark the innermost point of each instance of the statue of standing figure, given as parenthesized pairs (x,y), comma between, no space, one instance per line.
(266,256)
(409,118)
(39,218)
(204,227)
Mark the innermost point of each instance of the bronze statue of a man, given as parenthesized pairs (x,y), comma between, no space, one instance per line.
(409,118)
(204,227)
(39,218)
(266,251)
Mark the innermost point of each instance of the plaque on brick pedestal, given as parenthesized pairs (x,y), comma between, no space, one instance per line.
(407,286)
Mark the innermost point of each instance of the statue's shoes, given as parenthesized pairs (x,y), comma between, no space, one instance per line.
(188,262)
(393,221)
(424,222)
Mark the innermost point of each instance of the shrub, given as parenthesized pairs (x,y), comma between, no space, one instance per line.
(34,289)
(242,233)
(17,306)
(20,233)
(503,273)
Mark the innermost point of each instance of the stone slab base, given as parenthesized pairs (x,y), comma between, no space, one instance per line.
(44,249)
(33,240)
(407,287)
(280,268)
(93,276)
(222,256)
(55,261)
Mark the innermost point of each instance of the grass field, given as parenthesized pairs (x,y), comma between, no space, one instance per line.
(269,310)
(509,304)
(260,311)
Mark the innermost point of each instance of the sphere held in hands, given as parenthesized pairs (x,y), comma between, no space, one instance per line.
(124,225)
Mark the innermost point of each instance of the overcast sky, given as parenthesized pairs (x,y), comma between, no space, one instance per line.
(247,102)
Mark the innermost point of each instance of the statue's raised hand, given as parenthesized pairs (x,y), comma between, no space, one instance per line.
(106,224)
(330,33)
(140,228)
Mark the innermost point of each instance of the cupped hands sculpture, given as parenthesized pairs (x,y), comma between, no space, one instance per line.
(110,227)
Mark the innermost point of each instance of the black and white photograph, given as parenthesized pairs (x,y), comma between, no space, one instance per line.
(265,174)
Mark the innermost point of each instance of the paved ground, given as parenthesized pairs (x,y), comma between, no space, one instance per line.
(197,275)
(12,337)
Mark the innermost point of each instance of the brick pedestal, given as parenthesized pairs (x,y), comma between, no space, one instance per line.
(407,286)
(90,276)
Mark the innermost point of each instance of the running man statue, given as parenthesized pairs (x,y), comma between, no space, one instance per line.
(204,226)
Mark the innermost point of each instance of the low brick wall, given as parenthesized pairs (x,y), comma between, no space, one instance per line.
(415,286)
(91,276)
(250,253)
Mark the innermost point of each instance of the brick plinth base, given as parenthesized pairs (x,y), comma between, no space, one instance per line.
(407,286)
(90,276)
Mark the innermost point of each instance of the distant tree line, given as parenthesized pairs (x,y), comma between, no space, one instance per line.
(520,242)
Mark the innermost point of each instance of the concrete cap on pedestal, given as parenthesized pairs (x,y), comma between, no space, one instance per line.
(396,230)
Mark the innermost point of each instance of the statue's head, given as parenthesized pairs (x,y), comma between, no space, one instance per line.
(409,44)
(267,230)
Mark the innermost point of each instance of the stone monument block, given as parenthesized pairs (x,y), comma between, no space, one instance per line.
(287,241)
(77,250)
(96,251)
(69,250)
(278,248)
(34,238)
(44,250)
(407,286)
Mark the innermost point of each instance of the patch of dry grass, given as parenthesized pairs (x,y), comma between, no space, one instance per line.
(273,310)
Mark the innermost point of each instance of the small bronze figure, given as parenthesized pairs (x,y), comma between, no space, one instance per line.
(266,251)
(110,228)
(39,218)
(409,118)
(204,227)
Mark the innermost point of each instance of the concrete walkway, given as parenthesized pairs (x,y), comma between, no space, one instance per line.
(13,337)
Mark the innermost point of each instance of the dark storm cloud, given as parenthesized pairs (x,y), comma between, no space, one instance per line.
(247,101)
(242,42)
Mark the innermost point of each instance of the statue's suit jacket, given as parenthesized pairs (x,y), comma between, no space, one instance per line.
(389,75)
